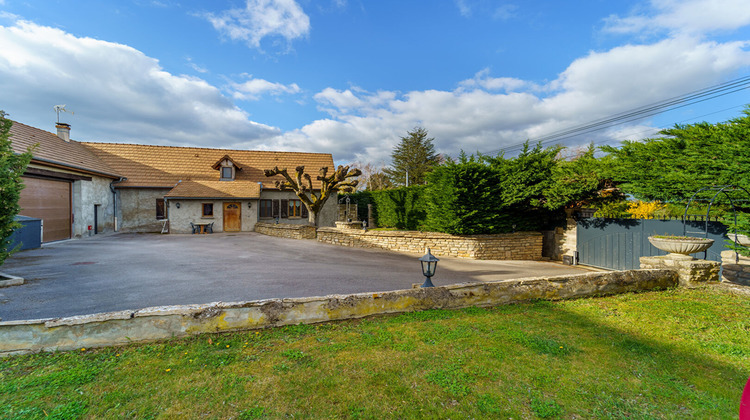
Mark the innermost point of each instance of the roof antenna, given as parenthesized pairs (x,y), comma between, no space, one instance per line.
(59,108)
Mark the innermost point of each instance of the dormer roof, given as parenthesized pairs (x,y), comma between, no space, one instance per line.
(218,163)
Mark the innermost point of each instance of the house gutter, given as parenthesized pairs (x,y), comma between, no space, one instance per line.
(166,201)
(257,208)
(114,197)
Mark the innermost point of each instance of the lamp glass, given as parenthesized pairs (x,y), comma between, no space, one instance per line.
(429,264)
(428,268)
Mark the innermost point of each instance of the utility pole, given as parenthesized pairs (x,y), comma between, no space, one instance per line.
(407,177)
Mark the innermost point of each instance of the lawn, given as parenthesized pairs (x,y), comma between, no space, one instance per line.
(671,354)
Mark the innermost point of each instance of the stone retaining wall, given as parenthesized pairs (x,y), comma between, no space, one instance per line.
(509,246)
(736,268)
(161,323)
(285,230)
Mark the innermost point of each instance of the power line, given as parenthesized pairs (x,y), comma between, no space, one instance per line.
(657,129)
(690,98)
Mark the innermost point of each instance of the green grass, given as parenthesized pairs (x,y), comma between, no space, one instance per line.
(673,354)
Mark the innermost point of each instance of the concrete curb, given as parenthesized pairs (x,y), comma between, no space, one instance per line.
(164,322)
(6,280)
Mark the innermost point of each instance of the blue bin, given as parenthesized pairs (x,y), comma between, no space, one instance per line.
(29,235)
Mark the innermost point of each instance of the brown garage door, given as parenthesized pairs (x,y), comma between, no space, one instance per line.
(48,200)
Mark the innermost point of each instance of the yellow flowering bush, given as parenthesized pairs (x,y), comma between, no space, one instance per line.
(644,210)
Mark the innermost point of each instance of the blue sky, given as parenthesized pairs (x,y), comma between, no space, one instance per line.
(350,77)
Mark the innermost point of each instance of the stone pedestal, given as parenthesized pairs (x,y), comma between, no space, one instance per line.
(691,272)
(736,268)
(349,225)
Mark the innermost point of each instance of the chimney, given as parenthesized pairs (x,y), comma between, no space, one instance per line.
(63,131)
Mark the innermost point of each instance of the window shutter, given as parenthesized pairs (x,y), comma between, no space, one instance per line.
(305,214)
(284,209)
(275,208)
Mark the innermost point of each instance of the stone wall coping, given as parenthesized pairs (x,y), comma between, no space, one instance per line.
(165,322)
(283,226)
(421,234)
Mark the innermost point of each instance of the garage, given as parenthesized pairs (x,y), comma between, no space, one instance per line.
(49,200)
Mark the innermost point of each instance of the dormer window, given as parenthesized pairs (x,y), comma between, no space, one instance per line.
(227,168)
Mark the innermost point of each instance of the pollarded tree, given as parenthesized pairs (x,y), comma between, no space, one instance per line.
(302,185)
(415,155)
(12,166)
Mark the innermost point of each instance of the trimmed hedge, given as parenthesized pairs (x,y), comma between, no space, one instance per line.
(401,208)
(462,199)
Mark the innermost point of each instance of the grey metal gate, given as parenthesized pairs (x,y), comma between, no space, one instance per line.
(618,244)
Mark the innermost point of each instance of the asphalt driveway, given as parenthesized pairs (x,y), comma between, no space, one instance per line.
(133,271)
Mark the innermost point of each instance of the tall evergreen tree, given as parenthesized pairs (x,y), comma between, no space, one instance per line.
(12,166)
(416,155)
(685,159)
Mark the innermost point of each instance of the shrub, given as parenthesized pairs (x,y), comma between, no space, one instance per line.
(644,210)
(463,199)
(401,208)
(12,166)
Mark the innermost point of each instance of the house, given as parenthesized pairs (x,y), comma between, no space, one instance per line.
(191,184)
(66,185)
(84,188)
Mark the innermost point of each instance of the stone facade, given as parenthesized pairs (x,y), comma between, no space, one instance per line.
(89,197)
(137,209)
(736,268)
(162,323)
(326,217)
(283,230)
(509,246)
(690,272)
(191,211)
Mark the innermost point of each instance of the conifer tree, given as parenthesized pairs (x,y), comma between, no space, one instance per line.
(12,166)
(415,155)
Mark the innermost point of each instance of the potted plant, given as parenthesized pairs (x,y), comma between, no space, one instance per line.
(680,245)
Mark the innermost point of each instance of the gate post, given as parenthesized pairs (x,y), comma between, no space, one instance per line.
(691,272)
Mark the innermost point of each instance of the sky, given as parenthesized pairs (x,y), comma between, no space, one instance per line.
(351,77)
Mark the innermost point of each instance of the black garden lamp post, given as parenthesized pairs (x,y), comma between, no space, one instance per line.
(429,264)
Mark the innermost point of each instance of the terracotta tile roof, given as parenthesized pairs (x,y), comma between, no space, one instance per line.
(56,151)
(163,166)
(215,189)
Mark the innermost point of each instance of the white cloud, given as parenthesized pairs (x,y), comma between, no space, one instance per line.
(483,80)
(260,19)
(120,94)
(117,92)
(253,89)
(196,67)
(486,113)
(337,102)
(501,12)
(683,17)
(463,8)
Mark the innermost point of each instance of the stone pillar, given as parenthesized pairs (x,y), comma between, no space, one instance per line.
(736,268)
(370,217)
(691,272)
(567,238)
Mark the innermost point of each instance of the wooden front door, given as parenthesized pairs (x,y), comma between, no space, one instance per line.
(232,217)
